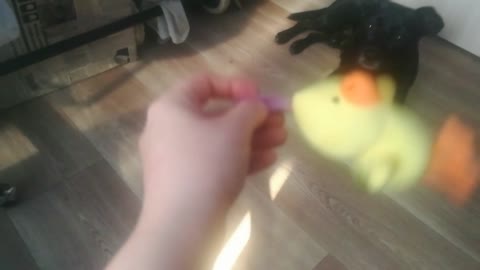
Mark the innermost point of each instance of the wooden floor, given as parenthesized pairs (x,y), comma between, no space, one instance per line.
(73,155)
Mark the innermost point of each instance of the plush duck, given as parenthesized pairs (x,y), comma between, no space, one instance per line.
(353,119)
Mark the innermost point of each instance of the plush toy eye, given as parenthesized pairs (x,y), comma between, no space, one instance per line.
(335,100)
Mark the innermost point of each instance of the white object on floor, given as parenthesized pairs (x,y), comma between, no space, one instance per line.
(9,29)
(174,22)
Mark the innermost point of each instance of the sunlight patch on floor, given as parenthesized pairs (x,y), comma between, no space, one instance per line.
(235,245)
(238,241)
(15,147)
(279,177)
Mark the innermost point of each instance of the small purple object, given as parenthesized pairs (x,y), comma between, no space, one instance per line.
(276,103)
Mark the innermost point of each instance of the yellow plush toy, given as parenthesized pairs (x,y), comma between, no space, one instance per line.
(353,119)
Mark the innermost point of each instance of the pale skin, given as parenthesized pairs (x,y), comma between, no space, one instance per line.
(195,163)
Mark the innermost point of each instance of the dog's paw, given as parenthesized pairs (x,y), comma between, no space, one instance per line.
(295,16)
(298,47)
(307,15)
(282,37)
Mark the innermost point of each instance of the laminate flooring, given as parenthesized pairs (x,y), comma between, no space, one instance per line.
(73,155)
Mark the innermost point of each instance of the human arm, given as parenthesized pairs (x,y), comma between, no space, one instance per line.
(195,163)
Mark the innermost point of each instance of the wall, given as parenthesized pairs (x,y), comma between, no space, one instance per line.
(462,18)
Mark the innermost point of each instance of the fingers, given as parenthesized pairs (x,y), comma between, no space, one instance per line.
(269,138)
(271,134)
(247,116)
(275,119)
(196,91)
(242,88)
(261,160)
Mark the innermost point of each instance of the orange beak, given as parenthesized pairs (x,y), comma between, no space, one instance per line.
(360,88)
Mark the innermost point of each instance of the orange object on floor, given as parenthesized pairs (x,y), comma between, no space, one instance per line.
(454,168)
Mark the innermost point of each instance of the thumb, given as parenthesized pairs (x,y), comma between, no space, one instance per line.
(248,115)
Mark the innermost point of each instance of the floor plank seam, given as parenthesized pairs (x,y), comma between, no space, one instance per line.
(282,212)
(58,184)
(24,243)
(362,235)
(439,233)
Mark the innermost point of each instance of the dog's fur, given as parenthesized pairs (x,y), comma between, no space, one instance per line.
(376,35)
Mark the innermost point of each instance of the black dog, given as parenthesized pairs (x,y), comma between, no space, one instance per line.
(375,35)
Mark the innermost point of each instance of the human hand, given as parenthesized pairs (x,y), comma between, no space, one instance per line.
(188,150)
(195,162)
